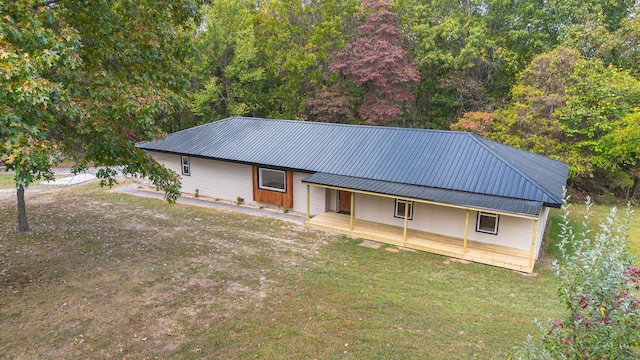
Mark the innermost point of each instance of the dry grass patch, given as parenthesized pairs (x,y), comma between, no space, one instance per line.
(105,275)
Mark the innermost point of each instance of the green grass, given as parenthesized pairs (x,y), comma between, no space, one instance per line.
(6,181)
(104,274)
(599,213)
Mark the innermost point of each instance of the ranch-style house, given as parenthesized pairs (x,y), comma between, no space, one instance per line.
(451,193)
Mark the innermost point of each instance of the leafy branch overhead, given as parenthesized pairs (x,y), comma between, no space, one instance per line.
(85,80)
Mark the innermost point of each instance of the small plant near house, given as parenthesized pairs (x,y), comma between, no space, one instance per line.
(285,209)
(197,193)
(239,200)
(599,288)
(261,207)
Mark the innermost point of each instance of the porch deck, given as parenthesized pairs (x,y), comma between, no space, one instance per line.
(479,252)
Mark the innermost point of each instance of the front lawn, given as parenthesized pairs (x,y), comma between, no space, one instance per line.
(105,274)
(6,181)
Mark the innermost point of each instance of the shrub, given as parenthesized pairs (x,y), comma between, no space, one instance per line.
(599,288)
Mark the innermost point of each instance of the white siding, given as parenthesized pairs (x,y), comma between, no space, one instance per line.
(227,181)
(542,224)
(512,231)
(316,196)
(332,200)
(430,218)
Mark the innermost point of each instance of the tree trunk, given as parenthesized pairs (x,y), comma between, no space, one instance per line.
(23,223)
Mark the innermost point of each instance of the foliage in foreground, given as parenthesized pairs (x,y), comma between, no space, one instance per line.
(598,286)
(85,81)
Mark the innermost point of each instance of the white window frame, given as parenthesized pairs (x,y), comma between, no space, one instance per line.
(185,165)
(401,214)
(482,215)
(265,187)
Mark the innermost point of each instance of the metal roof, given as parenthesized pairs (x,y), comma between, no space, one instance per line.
(443,196)
(449,160)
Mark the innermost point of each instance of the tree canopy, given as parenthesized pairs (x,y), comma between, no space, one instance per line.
(85,80)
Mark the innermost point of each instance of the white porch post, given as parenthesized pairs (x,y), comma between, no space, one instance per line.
(308,199)
(406,220)
(353,195)
(533,243)
(466,233)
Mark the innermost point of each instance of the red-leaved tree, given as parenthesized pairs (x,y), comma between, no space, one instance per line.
(376,63)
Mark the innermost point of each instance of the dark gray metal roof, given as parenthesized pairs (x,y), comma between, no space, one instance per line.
(443,196)
(450,160)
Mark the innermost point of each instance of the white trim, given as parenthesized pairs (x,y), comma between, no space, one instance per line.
(264,187)
(487,215)
(401,215)
(185,165)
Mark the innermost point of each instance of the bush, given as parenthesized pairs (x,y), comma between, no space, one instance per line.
(599,288)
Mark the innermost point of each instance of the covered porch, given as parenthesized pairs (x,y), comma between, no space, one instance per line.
(475,251)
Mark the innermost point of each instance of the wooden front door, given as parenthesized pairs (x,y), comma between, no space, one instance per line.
(344,202)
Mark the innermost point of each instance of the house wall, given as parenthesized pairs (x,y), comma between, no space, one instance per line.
(332,200)
(512,231)
(317,196)
(542,223)
(226,181)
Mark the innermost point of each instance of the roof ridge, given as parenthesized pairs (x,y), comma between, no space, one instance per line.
(476,137)
(319,123)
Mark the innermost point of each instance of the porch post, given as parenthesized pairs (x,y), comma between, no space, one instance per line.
(406,218)
(353,195)
(533,243)
(308,197)
(466,233)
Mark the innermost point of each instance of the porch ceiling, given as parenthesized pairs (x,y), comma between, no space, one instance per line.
(443,196)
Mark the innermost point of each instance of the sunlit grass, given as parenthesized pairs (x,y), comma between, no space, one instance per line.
(599,213)
(6,181)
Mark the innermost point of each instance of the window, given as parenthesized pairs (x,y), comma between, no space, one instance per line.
(487,223)
(270,179)
(186,169)
(400,209)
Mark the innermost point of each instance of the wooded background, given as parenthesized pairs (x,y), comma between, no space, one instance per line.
(556,77)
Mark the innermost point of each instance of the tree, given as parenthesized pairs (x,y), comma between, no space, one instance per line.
(84,81)
(597,285)
(226,63)
(377,63)
(460,59)
(531,121)
(477,122)
(600,120)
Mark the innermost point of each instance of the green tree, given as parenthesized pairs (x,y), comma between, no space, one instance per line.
(600,117)
(531,121)
(457,56)
(579,111)
(265,60)
(86,80)
(226,63)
